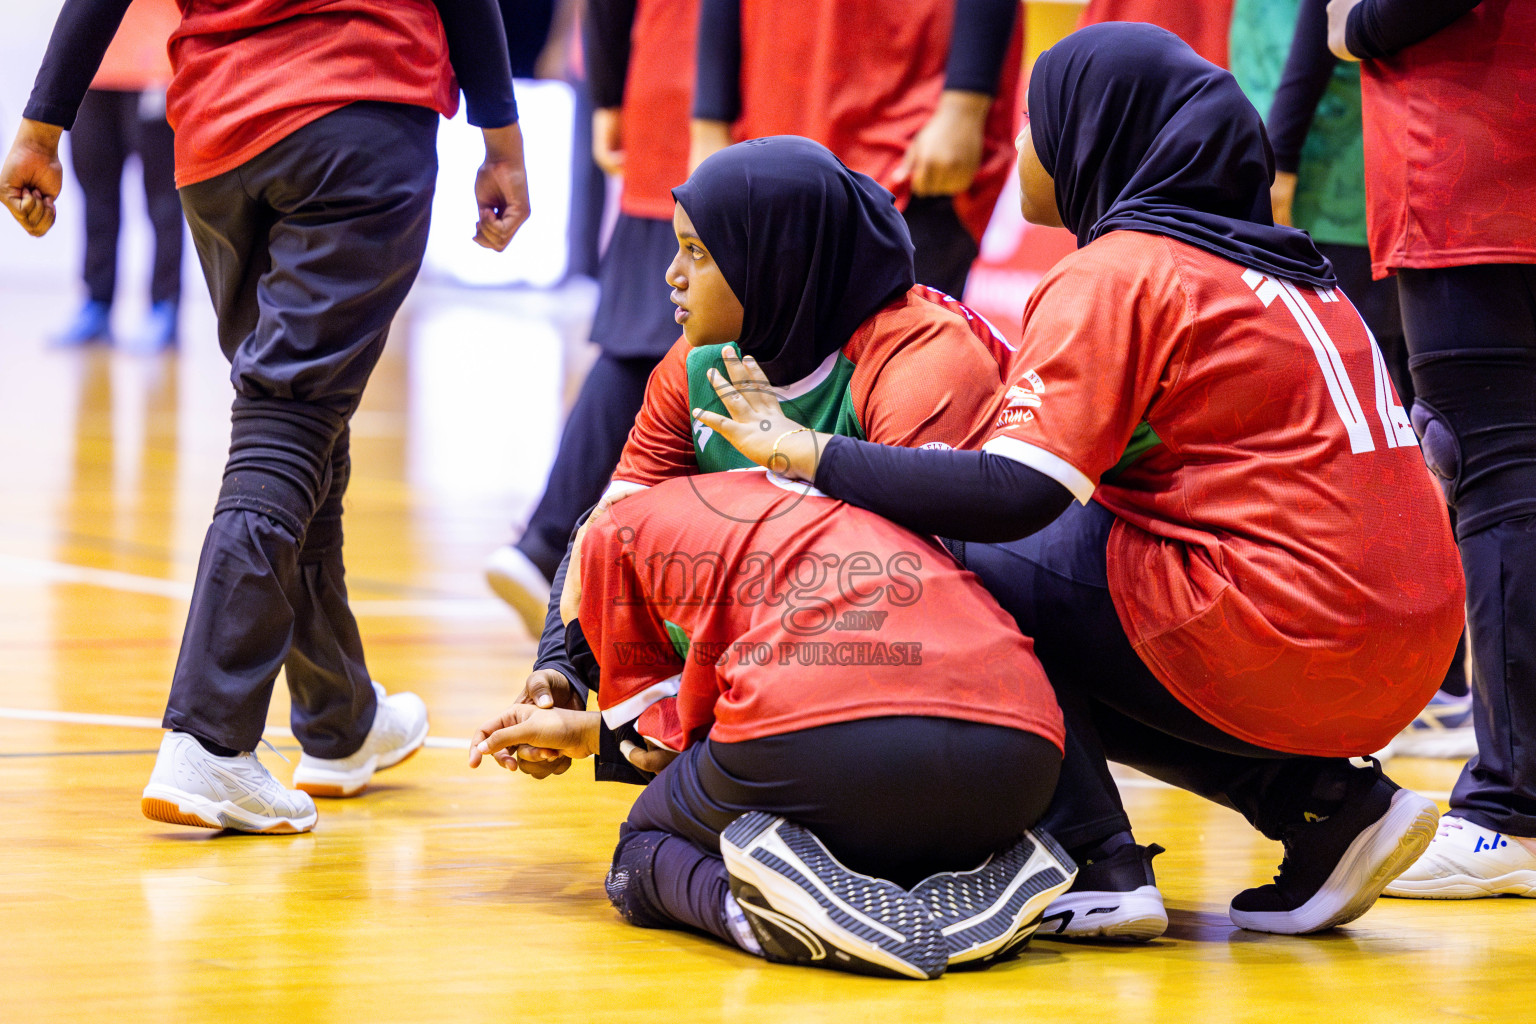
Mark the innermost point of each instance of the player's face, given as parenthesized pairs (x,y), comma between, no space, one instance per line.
(1037,191)
(709,312)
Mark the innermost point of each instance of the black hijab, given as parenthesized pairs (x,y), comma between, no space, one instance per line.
(1141,133)
(810,248)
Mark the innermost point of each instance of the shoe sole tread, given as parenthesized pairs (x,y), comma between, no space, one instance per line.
(835,919)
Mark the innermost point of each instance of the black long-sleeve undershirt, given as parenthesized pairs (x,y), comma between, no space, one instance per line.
(971,496)
(605,36)
(717,73)
(1380,28)
(977,50)
(80,39)
(1308,68)
(553,652)
(477,48)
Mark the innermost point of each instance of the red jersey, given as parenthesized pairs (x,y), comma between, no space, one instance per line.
(1205,25)
(1282,562)
(1450,144)
(658,101)
(739,605)
(251,72)
(925,371)
(137,60)
(862,77)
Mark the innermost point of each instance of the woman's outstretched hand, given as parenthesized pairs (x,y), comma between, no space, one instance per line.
(758,427)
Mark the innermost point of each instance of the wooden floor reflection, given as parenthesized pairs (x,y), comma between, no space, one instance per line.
(447,894)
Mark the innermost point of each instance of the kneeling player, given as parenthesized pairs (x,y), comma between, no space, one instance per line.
(854,726)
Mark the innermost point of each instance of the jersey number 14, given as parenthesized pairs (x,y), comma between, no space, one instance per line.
(1394,421)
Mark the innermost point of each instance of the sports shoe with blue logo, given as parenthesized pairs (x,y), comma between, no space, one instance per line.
(806,908)
(1466,861)
(1442,729)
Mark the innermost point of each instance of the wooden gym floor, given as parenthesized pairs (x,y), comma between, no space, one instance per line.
(450,894)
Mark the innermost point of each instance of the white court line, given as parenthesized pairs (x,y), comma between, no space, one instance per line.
(132,722)
(440,742)
(15,569)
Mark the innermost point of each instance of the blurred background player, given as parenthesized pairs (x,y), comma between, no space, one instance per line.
(123,113)
(639,64)
(1204,25)
(1450,160)
(919,95)
(1243,469)
(729,618)
(308,186)
(1279,55)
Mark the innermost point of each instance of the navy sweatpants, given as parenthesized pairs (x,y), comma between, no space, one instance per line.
(1056,585)
(1472,350)
(308,249)
(898,798)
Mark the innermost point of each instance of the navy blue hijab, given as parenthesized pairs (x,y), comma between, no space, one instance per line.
(1140,133)
(810,248)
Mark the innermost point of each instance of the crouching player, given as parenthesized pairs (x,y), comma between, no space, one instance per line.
(854,725)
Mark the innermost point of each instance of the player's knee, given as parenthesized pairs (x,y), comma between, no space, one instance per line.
(279,460)
(1475,414)
(1442,451)
(631,882)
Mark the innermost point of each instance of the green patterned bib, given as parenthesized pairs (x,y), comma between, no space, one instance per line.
(823,401)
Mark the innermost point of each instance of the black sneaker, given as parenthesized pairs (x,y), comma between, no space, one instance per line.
(1114,897)
(1336,866)
(989,913)
(806,908)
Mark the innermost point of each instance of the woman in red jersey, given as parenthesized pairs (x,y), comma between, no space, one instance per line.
(1260,581)
(786,253)
(795,657)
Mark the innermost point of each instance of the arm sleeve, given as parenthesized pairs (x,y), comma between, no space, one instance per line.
(477,47)
(717,83)
(1380,28)
(642,672)
(605,37)
(1308,69)
(970,496)
(553,651)
(80,39)
(660,444)
(979,45)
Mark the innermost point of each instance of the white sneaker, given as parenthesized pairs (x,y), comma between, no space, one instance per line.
(1466,861)
(1443,729)
(398,731)
(520,583)
(190,786)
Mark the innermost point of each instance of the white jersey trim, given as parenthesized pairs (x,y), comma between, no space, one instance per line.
(633,707)
(1053,466)
(805,385)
